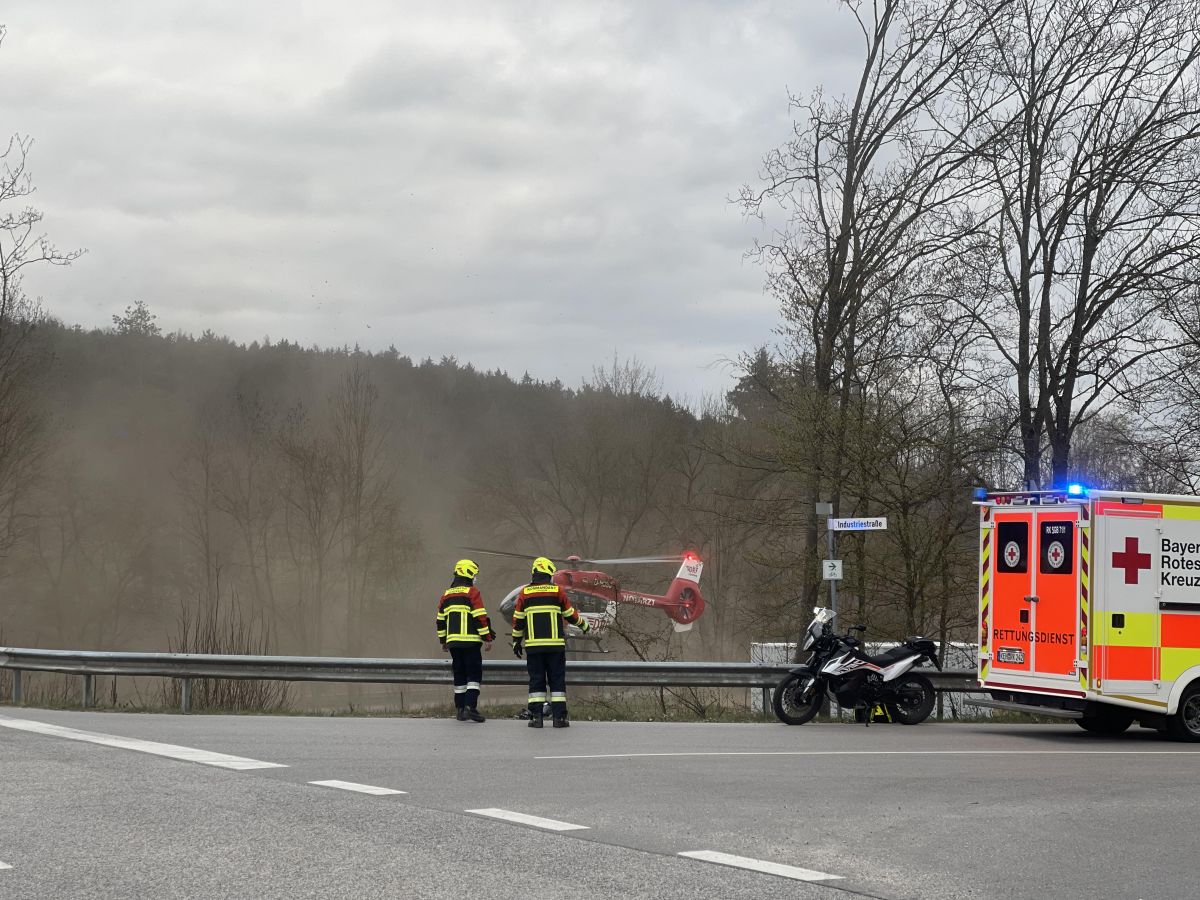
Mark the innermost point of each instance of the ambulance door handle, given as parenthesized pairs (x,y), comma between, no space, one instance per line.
(1032,598)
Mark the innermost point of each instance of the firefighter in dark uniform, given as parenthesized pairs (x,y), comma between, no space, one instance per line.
(539,632)
(463,628)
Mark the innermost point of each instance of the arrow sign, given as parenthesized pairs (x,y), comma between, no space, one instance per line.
(876,523)
(831,569)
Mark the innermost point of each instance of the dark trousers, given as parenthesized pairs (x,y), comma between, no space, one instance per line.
(467,661)
(547,666)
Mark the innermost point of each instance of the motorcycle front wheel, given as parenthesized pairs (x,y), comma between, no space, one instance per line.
(912,699)
(798,698)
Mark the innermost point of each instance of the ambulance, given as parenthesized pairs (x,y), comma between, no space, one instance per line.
(1089,607)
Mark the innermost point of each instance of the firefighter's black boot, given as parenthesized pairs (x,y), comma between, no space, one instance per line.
(475,715)
(461,715)
(535,718)
(559,708)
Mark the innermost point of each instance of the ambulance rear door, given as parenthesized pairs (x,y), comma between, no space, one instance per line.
(1034,621)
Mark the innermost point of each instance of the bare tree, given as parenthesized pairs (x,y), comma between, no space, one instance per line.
(247,492)
(370,537)
(22,245)
(594,479)
(1092,151)
(875,188)
(311,520)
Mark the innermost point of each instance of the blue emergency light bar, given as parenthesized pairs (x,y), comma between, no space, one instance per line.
(1029,498)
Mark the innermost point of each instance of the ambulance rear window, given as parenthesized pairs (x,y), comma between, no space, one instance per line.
(1012,545)
(1057,542)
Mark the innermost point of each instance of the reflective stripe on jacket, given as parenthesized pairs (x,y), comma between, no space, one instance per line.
(461,617)
(540,615)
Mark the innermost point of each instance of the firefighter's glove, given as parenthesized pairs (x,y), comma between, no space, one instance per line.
(518,648)
(584,626)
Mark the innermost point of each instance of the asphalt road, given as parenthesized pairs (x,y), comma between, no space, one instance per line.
(935,811)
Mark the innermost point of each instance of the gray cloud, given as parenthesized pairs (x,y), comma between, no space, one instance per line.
(456,179)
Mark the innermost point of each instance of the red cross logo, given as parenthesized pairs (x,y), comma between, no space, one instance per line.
(1012,554)
(1131,561)
(1055,554)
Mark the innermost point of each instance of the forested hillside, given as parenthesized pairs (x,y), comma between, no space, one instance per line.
(314,500)
(322,496)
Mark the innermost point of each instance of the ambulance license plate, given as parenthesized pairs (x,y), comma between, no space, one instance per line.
(1010,655)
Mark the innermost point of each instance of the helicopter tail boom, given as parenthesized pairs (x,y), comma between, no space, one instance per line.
(682,602)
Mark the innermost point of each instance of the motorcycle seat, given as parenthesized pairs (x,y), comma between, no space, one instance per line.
(890,656)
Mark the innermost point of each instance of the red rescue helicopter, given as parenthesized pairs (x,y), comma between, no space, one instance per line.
(596,595)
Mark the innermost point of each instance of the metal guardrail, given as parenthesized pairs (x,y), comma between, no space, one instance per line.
(189,666)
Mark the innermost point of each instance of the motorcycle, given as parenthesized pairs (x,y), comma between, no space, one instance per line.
(872,686)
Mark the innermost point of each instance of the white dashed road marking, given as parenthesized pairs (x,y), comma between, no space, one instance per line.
(759,865)
(188,754)
(523,819)
(357,788)
(5,866)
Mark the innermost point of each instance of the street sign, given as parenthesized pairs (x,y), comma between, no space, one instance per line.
(875,523)
(831,569)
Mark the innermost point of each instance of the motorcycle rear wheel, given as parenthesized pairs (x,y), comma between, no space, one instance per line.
(912,700)
(796,710)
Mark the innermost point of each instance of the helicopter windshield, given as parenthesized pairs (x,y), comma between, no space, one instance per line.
(587,603)
(509,604)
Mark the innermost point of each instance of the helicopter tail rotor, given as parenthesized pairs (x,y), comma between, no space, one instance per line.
(685,603)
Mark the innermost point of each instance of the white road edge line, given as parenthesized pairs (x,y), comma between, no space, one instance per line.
(173,751)
(524,819)
(357,788)
(760,865)
(884,753)
(5,866)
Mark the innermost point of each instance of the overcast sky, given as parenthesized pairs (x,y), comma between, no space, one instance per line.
(528,186)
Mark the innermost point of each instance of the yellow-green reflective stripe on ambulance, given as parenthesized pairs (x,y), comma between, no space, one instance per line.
(1140,630)
(1174,661)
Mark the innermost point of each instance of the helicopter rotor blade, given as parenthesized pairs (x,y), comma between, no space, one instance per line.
(634,560)
(563,561)
(510,554)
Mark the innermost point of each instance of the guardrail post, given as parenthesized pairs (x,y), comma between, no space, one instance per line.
(766,701)
(185,694)
(16,688)
(89,691)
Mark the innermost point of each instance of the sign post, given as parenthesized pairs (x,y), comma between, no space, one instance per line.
(832,568)
(826,509)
